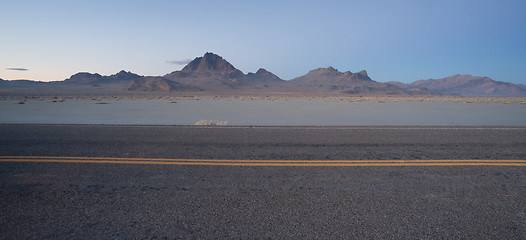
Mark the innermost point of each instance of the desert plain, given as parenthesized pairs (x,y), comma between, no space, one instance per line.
(267,110)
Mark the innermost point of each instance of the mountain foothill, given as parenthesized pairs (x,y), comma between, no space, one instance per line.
(213,75)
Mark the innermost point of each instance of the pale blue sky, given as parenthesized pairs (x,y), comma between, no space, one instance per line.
(393,40)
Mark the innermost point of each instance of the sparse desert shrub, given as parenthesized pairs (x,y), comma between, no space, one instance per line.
(210,123)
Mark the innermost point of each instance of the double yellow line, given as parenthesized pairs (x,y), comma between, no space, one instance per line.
(265,163)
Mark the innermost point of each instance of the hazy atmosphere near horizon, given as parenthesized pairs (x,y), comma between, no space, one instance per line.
(393,40)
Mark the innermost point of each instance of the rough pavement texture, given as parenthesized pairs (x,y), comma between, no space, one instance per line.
(73,200)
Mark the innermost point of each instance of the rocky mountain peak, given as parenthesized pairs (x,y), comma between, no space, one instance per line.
(83,77)
(262,71)
(262,75)
(124,75)
(362,73)
(331,73)
(266,74)
(325,71)
(209,62)
(207,72)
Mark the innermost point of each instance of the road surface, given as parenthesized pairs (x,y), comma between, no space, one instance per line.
(121,182)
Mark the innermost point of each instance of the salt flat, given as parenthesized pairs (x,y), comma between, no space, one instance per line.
(268,111)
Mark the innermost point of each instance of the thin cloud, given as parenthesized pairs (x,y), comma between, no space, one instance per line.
(180,61)
(18,69)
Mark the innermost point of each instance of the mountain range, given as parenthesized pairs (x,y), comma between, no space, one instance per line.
(213,75)
(466,85)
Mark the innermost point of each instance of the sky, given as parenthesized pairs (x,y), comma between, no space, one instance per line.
(401,40)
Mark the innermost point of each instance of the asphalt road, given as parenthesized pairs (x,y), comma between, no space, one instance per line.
(122,201)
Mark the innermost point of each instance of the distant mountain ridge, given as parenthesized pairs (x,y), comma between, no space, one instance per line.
(332,80)
(211,74)
(466,85)
(95,78)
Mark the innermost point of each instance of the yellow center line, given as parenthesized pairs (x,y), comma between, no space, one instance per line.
(287,163)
